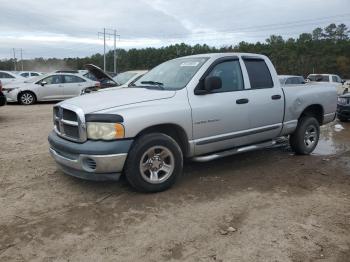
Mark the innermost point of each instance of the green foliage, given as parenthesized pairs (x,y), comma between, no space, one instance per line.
(322,51)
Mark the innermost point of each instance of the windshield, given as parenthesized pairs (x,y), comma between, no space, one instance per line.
(172,75)
(122,78)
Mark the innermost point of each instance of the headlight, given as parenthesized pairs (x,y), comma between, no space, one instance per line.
(342,101)
(104,131)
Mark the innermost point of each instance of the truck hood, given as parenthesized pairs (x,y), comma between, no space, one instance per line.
(98,101)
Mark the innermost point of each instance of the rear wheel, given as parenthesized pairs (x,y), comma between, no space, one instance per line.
(26,98)
(154,163)
(305,138)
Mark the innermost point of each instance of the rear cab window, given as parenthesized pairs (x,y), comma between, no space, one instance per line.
(258,72)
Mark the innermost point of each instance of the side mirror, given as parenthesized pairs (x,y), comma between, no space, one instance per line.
(43,83)
(211,83)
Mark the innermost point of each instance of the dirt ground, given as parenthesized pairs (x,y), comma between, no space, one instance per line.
(260,206)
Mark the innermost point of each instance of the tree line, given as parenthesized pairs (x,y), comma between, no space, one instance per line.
(324,50)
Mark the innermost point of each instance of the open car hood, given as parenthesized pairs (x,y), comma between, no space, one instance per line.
(100,75)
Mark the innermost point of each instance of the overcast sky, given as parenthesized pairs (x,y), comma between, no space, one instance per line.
(68,28)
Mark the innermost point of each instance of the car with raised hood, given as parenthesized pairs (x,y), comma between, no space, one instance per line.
(108,82)
(200,107)
(51,87)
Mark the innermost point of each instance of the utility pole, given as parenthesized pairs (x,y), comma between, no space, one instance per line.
(14,59)
(115,52)
(21,59)
(104,49)
(109,35)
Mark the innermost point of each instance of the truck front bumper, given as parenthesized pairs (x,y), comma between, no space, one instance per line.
(92,160)
(343,111)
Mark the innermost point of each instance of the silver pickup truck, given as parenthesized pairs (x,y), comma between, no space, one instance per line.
(201,107)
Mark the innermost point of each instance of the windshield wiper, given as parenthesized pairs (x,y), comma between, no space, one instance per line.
(154,83)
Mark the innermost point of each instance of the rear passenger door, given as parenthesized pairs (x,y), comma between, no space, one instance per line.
(72,86)
(266,101)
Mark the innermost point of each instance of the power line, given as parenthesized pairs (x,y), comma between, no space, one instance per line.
(266,27)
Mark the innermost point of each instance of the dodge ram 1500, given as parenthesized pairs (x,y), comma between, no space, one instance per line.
(201,107)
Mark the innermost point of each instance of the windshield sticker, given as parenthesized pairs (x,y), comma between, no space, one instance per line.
(190,64)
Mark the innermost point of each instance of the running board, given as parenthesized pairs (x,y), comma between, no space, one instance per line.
(234,151)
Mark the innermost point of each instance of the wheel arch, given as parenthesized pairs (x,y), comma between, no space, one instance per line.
(315,110)
(173,130)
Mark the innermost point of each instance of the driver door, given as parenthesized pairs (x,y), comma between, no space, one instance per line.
(221,117)
(51,88)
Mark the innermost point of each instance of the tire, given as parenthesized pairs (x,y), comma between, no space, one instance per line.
(154,163)
(305,138)
(27,98)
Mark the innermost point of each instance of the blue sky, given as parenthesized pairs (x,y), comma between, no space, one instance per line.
(60,28)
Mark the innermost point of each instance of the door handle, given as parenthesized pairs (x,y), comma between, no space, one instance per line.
(276,97)
(242,101)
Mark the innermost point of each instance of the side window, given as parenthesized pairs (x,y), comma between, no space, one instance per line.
(53,80)
(72,79)
(301,80)
(259,73)
(6,75)
(34,74)
(289,81)
(230,74)
(324,79)
(25,74)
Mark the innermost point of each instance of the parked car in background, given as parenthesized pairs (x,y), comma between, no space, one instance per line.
(343,109)
(328,78)
(28,74)
(291,80)
(201,107)
(2,96)
(9,77)
(108,82)
(47,88)
(129,77)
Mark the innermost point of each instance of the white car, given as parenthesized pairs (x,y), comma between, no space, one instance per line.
(28,74)
(51,87)
(9,77)
(291,80)
(328,78)
(129,77)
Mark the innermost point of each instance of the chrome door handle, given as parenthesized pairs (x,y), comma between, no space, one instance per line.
(276,97)
(242,101)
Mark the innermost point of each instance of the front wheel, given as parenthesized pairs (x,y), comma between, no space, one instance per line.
(154,163)
(305,138)
(27,98)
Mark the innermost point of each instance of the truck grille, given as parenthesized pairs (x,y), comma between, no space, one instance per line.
(69,123)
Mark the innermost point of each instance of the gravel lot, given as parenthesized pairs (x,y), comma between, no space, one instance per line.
(260,206)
